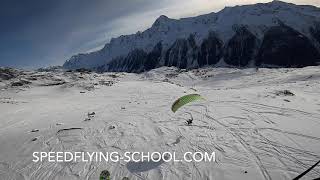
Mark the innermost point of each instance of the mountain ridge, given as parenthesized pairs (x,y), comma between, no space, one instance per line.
(233,32)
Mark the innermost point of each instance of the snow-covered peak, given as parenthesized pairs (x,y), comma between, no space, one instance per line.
(161,20)
(256,18)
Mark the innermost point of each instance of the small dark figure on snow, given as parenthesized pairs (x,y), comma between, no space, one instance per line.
(189,122)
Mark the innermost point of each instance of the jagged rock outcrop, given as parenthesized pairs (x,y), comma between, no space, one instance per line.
(134,62)
(283,46)
(153,58)
(241,48)
(275,33)
(211,50)
(315,31)
(184,53)
(177,54)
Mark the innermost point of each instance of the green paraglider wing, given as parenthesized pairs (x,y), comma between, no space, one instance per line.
(185,100)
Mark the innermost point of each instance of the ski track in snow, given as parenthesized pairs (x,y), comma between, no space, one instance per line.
(248,126)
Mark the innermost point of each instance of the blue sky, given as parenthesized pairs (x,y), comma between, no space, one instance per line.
(40,33)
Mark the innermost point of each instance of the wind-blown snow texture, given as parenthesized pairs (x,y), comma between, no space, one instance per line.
(274,33)
(247,119)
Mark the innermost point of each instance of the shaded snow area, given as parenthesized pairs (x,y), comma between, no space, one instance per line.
(261,124)
(248,27)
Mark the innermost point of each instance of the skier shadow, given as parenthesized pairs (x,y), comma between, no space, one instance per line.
(143,166)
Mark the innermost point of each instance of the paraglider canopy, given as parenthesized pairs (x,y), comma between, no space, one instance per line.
(185,100)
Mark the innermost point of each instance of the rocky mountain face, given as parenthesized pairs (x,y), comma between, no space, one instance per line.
(283,46)
(315,31)
(241,48)
(270,34)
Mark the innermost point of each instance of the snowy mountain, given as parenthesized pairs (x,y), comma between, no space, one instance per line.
(275,33)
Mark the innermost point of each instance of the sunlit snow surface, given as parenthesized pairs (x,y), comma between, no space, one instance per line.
(250,125)
(256,18)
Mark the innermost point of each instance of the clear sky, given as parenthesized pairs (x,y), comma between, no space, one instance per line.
(38,33)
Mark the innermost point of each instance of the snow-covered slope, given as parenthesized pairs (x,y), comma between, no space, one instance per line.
(256,130)
(186,37)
